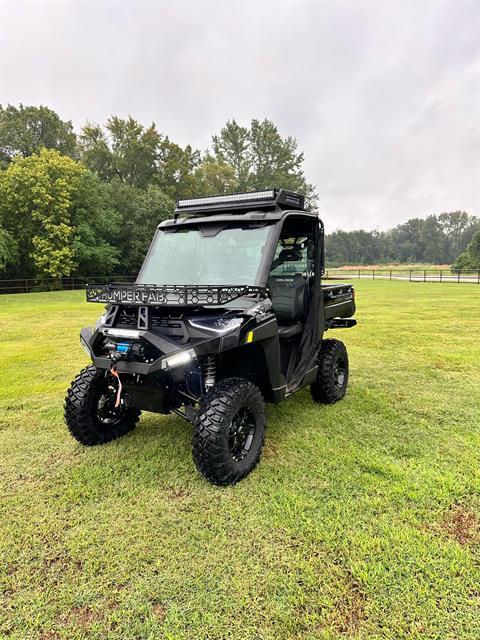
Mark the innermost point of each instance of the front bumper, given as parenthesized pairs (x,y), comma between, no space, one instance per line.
(90,339)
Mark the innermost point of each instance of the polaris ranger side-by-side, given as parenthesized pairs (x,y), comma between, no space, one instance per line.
(228,312)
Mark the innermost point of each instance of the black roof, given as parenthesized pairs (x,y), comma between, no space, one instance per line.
(247,217)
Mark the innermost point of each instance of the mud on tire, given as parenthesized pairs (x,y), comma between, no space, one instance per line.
(332,377)
(85,414)
(229,431)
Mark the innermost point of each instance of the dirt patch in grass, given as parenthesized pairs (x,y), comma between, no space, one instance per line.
(270,450)
(81,617)
(159,610)
(349,612)
(49,635)
(462,524)
(176,493)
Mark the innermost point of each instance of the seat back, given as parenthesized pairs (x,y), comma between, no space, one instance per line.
(288,297)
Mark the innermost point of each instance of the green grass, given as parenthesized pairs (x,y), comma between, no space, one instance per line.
(362,520)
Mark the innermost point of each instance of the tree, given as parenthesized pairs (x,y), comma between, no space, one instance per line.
(470,258)
(434,242)
(261,158)
(8,249)
(274,160)
(175,170)
(456,226)
(35,195)
(139,213)
(57,212)
(96,227)
(25,130)
(231,146)
(151,207)
(214,177)
(126,151)
(355,247)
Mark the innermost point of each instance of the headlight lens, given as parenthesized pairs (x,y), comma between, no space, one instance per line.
(218,325)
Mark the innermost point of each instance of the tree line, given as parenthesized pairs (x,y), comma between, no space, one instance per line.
(88,204)
(437,239)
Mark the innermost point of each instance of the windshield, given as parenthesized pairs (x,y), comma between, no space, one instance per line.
(231,256)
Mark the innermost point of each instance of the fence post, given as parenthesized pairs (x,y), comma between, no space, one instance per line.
(359,276)
(424,275)
(373,271)
(410,279)
(458,277)
(26,285)
(478,277)
(441,273)
(390,274)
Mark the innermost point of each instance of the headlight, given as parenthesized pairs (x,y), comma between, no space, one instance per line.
(219,325)
(177,359)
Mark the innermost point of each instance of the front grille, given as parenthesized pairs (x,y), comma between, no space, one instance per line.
(150,318)
(172,327)
(160,323)
(127,317)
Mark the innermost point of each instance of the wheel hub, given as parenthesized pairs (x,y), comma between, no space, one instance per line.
(106,412)
(339,372)
(241,433)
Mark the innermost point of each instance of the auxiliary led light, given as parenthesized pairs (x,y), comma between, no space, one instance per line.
(177,359)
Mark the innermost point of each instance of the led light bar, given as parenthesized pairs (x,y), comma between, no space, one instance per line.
(122,333)
(266,199)
(269,194)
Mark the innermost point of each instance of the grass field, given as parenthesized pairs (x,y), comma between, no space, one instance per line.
(362,520)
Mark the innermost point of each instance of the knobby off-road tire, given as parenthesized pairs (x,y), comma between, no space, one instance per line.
(332,377)
(87,414)
(229,431)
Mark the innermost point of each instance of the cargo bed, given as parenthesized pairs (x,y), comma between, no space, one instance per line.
(338,305)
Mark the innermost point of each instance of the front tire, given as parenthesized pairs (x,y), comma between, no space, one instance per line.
(90,413)
(332,377)
(229,431)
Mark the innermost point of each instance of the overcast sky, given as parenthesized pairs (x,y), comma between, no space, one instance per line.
(384,98)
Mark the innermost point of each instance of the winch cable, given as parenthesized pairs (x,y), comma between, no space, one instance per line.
(114,373)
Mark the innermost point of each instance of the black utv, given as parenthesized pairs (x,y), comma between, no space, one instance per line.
(228,312)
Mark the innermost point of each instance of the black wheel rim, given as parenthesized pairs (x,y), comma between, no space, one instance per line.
(242,431)
(106,412)
(340,372)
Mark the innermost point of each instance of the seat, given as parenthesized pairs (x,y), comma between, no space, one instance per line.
(288,301)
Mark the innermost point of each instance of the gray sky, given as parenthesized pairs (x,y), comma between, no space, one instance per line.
(384,98)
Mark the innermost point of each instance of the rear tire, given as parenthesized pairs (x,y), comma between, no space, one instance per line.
(89,409)
(229,431)
(332,377)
